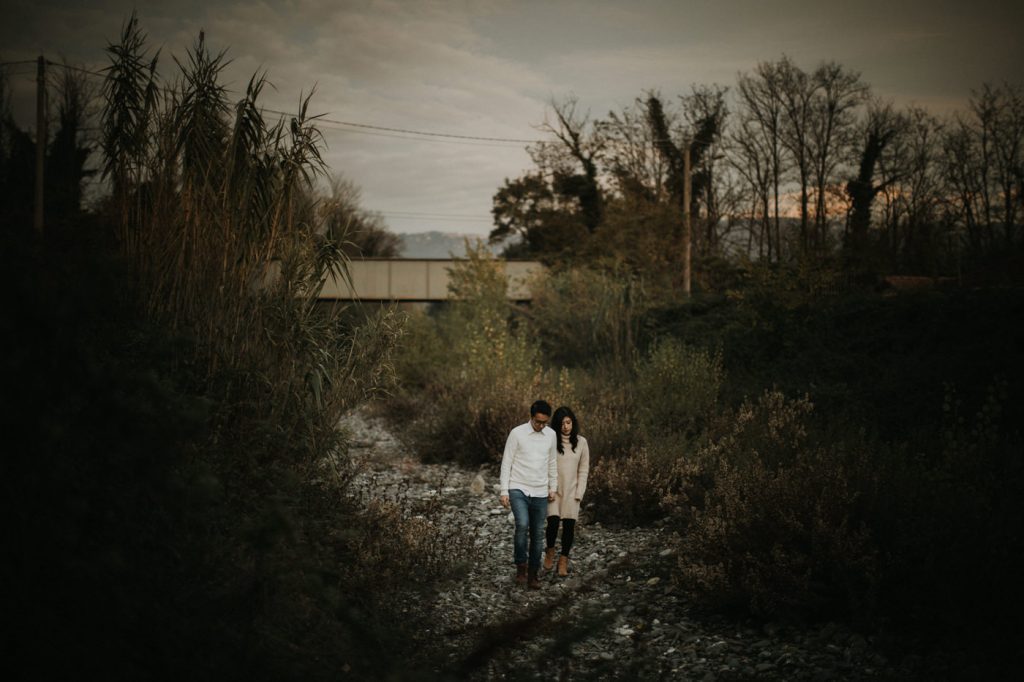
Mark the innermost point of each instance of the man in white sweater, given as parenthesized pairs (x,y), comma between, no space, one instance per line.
(529,480)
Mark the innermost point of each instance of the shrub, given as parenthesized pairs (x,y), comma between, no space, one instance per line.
(799,523)
(956,524)
(587,317)
(677,387)
(604,406)
(631,489)
(781,532)
(422,547)
(484,374)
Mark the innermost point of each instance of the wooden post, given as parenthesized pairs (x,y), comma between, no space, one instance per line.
(40,141)
(687,231)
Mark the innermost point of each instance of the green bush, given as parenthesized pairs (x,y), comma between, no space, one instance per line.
(468,375)
(587,317)
(781,532)
(791,520)
(627,490)
(956,522)
(677,388)
(605,409)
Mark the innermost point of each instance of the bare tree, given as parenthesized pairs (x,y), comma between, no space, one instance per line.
(705,112)
(985,108)
(639,172)
(69,150)
(837,94)
(959,164)
(797,92)
(762,115)
(751,160)
(359,232)
(983,160)
(912,201)
(574,132)
(1008,148)
(883,124)
(671,150)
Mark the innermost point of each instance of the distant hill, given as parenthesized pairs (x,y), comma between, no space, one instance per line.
(439,244)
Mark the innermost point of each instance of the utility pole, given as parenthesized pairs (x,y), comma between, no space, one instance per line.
(40,140)
(687,231)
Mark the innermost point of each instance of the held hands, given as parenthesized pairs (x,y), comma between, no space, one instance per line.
(551,497)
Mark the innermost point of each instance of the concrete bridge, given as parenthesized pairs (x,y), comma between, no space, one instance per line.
(416,280)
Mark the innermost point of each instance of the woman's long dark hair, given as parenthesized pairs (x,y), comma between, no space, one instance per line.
(556,421)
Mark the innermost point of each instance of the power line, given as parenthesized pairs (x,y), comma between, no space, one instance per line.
(409,131)
(334,128)
(428,133)
(403,133)
(76,68)
(400,133)
(368,129)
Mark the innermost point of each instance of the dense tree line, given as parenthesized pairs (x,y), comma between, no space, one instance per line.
(790,166)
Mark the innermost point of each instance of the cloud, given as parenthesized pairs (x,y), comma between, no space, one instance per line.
(489,67)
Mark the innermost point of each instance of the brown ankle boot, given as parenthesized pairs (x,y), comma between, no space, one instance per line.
(520,573)
(549,558)
(563,566)
(534,582)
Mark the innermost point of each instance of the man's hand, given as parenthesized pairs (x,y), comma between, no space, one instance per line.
(504,501)
(551,497)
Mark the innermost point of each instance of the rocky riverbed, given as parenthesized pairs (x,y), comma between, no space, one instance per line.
(619,614)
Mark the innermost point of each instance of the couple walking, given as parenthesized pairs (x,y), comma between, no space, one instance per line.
(544,474)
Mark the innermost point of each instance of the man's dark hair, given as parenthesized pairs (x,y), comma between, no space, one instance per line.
(540,407)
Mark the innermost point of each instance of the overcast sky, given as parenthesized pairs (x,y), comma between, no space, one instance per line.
(489,69)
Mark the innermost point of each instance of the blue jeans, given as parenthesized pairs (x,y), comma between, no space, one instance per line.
(530,514)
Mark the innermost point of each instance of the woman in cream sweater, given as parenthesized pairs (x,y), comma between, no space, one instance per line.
(573,468)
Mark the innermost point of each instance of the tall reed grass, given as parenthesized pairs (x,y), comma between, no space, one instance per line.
(215,215)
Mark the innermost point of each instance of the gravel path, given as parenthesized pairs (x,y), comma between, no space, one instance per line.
(619,614)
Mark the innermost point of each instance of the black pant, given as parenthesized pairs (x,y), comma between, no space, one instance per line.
(568,533)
